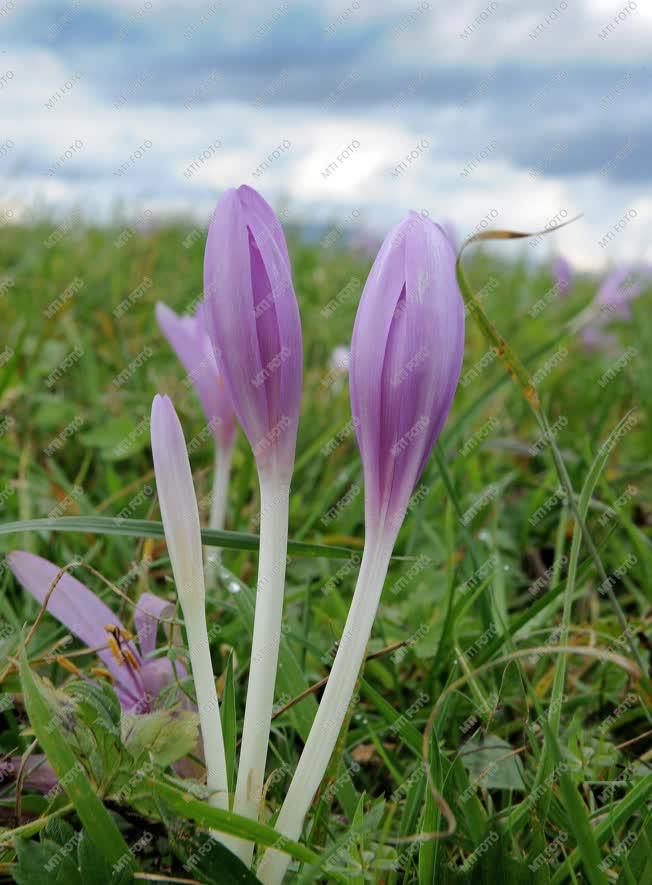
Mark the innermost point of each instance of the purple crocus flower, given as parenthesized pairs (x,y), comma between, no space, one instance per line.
(138,677)
(253,322)
(612,302)
(563,275)
(188,338)
(406,357)
(616,293)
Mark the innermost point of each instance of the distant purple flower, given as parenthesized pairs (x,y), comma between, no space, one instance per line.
(612,302)
(593,338)
(616,293)
(406,356)
(138,677)
(252,318)
(188,338)
(563,275)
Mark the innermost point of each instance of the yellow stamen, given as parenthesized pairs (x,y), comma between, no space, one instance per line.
(68,665)
(101,673)
(130,658)
(114,648)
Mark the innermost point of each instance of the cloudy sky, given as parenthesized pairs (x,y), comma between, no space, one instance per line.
(513,110)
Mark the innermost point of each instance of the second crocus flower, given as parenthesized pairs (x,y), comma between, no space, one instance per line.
(406,356)
(252,318)
(180,517)
(188,338)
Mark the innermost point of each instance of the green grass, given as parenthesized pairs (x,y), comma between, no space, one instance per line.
(504,789)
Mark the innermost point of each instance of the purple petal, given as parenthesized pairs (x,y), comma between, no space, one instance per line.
(158,673)
(150,609)
(188,338)
(78,609)
(616,293)
(563,275)
(253,322)
(38,773)
(406,357)
(177,500)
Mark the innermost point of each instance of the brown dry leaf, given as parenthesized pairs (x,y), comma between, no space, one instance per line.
(363,753)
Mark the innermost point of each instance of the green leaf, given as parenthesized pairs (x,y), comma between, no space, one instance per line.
(229,722)
(577,816)
(45,861)
(145,528)
(487,760)
(213,863)
(190,808)
(165,735)
(636,798)
(92,813)
(94,868)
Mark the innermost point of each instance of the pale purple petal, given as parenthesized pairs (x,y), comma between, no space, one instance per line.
(253,322)
(177,499)
(615,294)
(150,609)
(563,275)
(593,338)
(38,774)
(78,609)
(406,357)
(188,338)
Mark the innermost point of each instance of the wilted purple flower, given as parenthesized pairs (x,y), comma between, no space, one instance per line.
(188,338)
(563,275)
(406,356)
(253,322)
(139,678)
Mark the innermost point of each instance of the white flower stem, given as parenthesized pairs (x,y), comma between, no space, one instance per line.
(274,502)
(334,704)
(194,615)
(212,555)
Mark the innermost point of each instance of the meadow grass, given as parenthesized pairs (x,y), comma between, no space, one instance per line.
(529,765)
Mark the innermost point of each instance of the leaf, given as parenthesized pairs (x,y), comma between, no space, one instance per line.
(488,757)
(72,777)
(229,722)
(45,861)
(213,863)
(146,528)
(190,808)
(94,868)
(57,830)
(165,735)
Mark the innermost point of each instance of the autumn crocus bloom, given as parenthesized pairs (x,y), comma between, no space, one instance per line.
(406,357)
(180,518)
(563,275)
(188,338)
(138,678)
(253,322)
(612,302)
